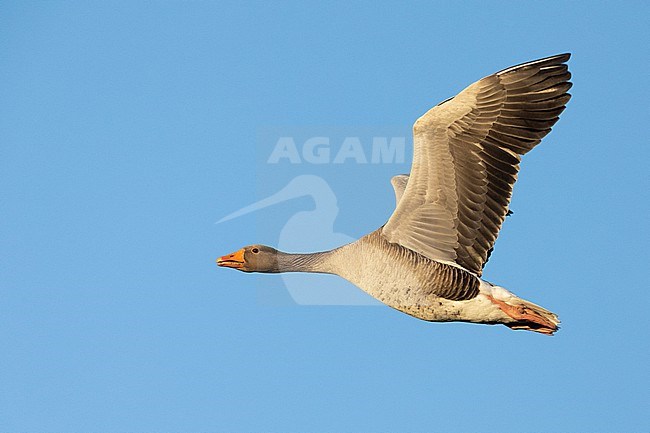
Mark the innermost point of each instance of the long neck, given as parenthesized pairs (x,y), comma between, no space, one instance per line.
(314,262)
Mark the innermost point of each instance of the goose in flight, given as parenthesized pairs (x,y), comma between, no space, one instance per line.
(427,260)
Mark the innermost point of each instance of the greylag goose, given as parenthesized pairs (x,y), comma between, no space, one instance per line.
(427,260)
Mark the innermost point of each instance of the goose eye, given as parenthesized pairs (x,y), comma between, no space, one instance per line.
(255,250)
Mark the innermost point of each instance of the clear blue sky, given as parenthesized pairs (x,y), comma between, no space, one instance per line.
(128,129)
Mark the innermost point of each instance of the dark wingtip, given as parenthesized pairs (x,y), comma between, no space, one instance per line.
(562,57)
(557,59)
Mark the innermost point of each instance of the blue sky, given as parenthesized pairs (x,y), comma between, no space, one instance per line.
(128,129)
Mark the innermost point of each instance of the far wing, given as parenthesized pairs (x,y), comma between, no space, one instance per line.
(399,185)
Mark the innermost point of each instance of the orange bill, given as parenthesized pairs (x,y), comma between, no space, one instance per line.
(234,260)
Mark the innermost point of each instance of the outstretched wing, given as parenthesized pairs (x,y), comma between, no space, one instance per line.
(466,159)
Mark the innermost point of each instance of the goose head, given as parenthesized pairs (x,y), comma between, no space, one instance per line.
(253,258)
